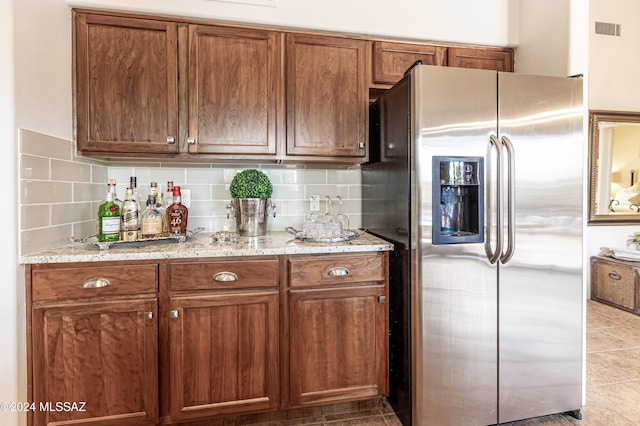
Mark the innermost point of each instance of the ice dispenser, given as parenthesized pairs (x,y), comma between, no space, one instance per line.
(458,200)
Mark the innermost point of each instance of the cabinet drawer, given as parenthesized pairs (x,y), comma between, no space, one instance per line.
(615,283)
(224,274)
(91,281)
(336,269)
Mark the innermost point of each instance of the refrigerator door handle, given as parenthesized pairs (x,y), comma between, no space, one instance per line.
(494,254)
(511,201)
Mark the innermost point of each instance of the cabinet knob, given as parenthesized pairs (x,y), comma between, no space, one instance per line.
(191,141)
(173,313)
(338,271)
(148,315)
(615,276)
(361,145)
(96,283)
(171,139)
(225,276)
(382,299)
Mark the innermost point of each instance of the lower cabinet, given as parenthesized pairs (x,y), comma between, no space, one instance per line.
(223,354)
(338,328)
(94,349)
(138,343)
(223,328)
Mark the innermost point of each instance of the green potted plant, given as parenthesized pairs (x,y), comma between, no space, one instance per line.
(251,191)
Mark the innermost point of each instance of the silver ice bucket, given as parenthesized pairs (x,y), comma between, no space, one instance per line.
(251,215)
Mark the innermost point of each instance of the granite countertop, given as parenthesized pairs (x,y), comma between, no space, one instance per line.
(201,246)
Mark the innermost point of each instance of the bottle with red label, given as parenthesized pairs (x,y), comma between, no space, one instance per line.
(177,214)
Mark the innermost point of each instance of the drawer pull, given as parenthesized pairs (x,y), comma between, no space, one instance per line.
(225,276)
(338,271)
(96,283)
(615,276)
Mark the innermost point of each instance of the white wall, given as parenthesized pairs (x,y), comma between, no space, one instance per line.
(11,318)
(614,63)
(614,70)
(544,37)
(485,22)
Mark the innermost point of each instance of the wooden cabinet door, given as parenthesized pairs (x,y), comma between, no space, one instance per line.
(100,356)
(234,90)
(126,85)
(338,344)
(391,60)
(223,354)
(486,59)
(327,97)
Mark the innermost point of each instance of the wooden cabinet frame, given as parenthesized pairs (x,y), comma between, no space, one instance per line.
(262,361)
(307,101)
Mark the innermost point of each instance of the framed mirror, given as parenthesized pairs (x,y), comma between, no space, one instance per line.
(615,167)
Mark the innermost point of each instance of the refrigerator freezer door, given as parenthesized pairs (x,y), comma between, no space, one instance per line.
(454,287)
(540,287)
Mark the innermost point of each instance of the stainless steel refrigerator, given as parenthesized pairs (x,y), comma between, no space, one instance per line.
(476,176)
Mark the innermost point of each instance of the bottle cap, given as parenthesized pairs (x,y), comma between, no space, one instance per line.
(111,181)
(176,190)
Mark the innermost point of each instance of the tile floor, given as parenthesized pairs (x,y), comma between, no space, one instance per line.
(613,371)
(613,385)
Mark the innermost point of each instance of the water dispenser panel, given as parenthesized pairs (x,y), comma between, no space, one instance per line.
(458,200)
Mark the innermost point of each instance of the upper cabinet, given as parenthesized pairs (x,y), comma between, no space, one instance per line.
(391,60)
(126,85)
(234,90)
(481,58)
(327,97)
(170,88)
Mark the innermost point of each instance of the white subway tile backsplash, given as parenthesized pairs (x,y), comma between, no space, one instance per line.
(288,192)
(60,198)
(64,213)
(70,172)
(36,168)
(34,240)
(41,192)
(35,216)
(85,229)
(89,192)
(207,176)
(45,146)
(99,173)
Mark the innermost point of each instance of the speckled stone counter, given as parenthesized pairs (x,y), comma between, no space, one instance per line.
(200,246)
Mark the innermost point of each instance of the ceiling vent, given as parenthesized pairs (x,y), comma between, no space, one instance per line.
(606,28)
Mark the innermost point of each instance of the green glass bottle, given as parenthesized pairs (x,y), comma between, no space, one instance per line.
(109,220)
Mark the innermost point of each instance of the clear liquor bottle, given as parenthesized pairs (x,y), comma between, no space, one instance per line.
(167,199)
(109,220)
(153,221)
(177,214)
(133,184)
(153,189)
(130,219)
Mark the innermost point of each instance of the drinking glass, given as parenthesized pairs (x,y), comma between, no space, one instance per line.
(342,219)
